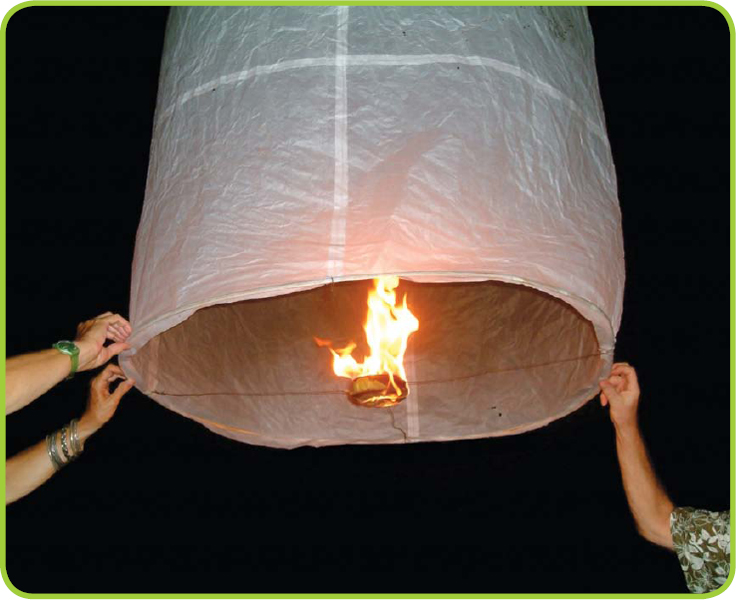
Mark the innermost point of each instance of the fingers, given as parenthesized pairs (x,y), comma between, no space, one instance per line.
(618,382)
(628,374)
(121,390)
(116,332)
(117,321)
(112,369)
(622,368)
(123,326)
(109,374)
(610,391)
(112,372)
(110,318)
(115,328)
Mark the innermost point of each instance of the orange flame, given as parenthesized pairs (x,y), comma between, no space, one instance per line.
(387,329)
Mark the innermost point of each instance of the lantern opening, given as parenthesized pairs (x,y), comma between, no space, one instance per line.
(489,358)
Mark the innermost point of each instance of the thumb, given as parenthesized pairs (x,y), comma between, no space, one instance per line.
(117,348)
(108,352)
(610,391)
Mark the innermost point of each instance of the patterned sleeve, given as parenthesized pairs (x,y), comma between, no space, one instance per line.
(702,541)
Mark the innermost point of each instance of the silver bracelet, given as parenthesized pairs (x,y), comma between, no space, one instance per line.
(55,450)
(64,447)
(76,445)
(72,433)
(51,449)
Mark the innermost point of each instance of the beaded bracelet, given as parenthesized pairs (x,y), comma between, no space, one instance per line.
(68,431)
(64,447)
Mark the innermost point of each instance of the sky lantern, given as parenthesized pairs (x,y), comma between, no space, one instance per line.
(376,224)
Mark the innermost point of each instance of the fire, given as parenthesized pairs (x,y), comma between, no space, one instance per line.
(387,329)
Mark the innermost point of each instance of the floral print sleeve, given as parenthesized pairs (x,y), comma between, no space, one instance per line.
(702,541)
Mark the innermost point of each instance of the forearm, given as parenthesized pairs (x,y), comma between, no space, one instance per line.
(648,501)
(32,467)
(26,471)
(30,375)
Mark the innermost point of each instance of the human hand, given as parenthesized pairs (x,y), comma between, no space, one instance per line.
(621,391)
(92,335)
(102,403)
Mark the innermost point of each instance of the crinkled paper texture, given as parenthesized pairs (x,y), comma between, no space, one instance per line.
(299,151)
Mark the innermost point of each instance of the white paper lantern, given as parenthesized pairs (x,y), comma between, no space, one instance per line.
(299,152)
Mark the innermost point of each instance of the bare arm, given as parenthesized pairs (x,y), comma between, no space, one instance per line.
(649,503)
(30,468)
(30,375)
(26,471)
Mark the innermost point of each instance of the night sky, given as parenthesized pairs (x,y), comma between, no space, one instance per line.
(159,504)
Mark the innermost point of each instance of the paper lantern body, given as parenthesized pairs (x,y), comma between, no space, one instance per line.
(300,151)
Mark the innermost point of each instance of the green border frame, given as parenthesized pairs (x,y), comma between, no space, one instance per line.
(3,316)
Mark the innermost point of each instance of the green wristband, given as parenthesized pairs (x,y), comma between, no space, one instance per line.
(72,351)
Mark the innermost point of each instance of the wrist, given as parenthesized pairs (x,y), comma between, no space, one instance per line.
(87,354)
(626,430)
(88,426)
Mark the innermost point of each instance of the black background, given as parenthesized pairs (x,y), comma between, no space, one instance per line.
(160,504)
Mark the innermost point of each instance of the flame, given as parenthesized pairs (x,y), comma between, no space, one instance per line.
(387,329)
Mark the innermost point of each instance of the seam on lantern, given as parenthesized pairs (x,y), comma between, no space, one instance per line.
(513,431)
(336,250)
(240,76)
(383,60)
(465,276)
(412,381)
(154,372)
(379,60)
(412,405)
